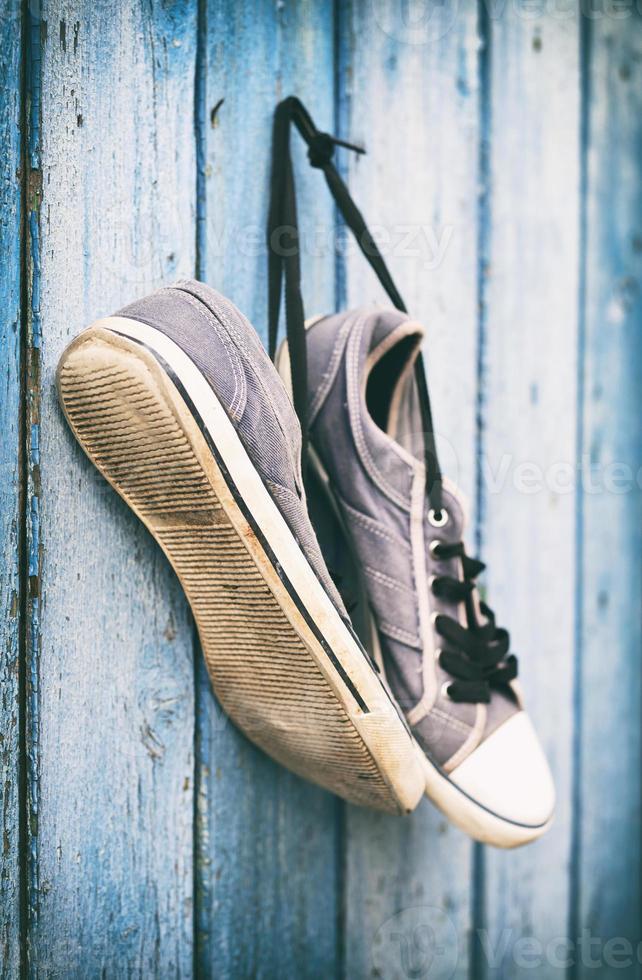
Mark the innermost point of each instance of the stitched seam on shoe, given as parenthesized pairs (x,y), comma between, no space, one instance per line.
(226,314)
(329,375)
(387,581)
(370,524)
(277,488)
(397,633)
(353,390)
(418,541)
(240,389)
(449,720)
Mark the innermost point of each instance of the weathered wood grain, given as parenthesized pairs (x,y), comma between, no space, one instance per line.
(268,858)
(504,182)
(111,718)
(410,93)
(607,873)
(10,474)
(530,310)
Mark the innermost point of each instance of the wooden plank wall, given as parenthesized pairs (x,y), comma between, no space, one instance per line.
(608,875)
(268,855)
(424,151)
(111,655)
(141,834)
(10,477)
(529,420)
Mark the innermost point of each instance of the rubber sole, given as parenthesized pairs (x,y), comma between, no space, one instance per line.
(463,811)
(284,666)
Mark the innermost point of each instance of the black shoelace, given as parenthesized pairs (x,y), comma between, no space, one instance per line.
(478,658)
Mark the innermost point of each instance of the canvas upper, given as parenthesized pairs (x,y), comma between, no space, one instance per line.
(228,351)
(367,431)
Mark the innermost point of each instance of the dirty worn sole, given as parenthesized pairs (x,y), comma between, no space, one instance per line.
(284,665)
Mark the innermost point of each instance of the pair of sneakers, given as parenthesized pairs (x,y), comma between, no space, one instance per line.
(179,406)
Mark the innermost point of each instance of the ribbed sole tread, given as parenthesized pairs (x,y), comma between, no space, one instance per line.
(129,421)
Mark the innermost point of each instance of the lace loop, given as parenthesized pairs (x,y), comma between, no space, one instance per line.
(477,655)
(284,269)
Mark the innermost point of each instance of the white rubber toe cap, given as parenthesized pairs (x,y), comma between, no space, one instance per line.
(509,775)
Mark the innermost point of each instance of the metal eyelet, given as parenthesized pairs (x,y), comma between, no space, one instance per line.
(438,520)
(444,690)
(431,581)
(432,548)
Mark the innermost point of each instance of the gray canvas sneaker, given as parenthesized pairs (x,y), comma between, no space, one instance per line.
(446,662)
(176,402)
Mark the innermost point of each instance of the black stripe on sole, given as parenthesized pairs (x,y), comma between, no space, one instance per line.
(241,504)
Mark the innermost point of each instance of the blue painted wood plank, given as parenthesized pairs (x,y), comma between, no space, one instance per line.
(530,305)
(111,716)
(268,877)
(410,94)
(608,864)
(10,475)
(32,41)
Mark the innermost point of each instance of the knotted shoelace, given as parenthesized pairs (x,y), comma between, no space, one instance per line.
(476,657)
